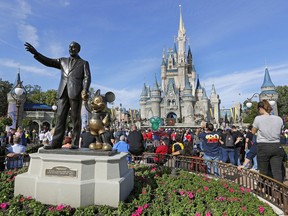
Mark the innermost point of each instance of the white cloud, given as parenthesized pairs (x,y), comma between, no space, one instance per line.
(10,63)
(129,98)
(66,3)
(28,33)
(129,73)
(139,69)
(56,49)
(238,86)
(16,13)
(22,10)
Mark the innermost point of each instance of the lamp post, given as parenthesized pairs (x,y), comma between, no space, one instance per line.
(249,100)
(18,93)
(54,108)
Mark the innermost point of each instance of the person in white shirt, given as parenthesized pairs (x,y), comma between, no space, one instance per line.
(15,155)
(41,136)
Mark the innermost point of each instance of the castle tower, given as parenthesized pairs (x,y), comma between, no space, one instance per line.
(163,71)
(268,91)
(188,99)
(205,105)
(215,105)
(143,100)
(155,99)
(191,69)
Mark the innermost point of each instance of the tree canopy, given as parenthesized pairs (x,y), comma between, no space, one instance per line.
(251,113)
(283,103)
(5,87)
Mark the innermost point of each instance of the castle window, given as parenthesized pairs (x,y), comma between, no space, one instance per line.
(168,102)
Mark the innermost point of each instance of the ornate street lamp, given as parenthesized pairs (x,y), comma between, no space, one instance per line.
(249,100)
(18,93)
(54,108)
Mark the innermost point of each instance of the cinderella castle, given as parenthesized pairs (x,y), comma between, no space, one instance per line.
(180,98)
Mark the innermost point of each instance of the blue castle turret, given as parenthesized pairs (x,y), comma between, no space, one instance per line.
(268,91)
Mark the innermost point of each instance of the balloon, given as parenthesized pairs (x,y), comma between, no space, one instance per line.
(155,126)
(155,121)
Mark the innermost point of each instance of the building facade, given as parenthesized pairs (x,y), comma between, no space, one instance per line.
(180,96)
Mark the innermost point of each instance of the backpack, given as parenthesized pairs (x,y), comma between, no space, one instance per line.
(229,141)
(177,147)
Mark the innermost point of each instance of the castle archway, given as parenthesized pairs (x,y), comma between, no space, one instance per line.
(171,118)
(34,126)
(171,115)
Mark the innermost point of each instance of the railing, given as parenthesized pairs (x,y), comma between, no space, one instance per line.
(18,161)
(265,187)
(14,162)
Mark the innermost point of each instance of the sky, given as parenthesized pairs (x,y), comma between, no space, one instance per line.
(231,42)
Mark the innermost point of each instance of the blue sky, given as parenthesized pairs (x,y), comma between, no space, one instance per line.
(231,42)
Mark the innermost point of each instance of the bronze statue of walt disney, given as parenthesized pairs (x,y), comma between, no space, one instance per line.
(73,88)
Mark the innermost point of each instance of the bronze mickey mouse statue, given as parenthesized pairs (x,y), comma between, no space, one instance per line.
(100,118)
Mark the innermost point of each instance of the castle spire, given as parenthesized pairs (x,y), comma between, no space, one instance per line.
(181,23)
(156,86)
(198,85)
(213,91)
(204,96)
(144,90)
(267,79)
(181,40)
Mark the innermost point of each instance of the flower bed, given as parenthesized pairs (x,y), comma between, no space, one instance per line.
(156,192)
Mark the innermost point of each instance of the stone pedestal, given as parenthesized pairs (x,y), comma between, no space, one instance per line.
(76,178)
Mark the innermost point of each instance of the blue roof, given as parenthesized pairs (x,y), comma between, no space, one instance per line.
(35,106)
(204,96)
(144,91)
(171,82)
(198,85)
(156,86)
(267,80)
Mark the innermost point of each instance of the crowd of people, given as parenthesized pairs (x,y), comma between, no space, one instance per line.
(257,147)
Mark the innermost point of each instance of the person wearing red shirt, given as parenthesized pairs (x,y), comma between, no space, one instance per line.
(162,150)
(144,134)
(173,136)
(188,136)
(149,135)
